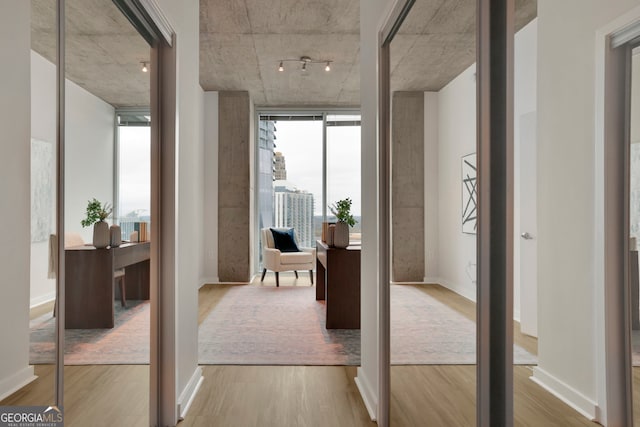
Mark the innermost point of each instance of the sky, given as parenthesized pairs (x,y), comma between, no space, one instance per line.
(135,169)
(299,142)
(301,145)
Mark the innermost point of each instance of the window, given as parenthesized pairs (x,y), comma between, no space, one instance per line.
(295,183)
(133,170)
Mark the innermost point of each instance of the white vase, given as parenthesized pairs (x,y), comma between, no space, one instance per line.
(101,236)
(115,236)
(341,235)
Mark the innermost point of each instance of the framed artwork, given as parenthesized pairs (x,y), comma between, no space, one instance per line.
(42,177)
(469,194)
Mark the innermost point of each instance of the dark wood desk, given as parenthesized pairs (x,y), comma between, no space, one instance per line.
(338,283)
(89,287)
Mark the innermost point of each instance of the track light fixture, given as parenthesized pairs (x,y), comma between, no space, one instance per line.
(145,68)
(304,61)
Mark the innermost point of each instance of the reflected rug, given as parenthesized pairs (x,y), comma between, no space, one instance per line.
(286,326)
(126,344)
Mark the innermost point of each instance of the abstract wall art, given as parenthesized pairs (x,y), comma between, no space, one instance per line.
(469,194)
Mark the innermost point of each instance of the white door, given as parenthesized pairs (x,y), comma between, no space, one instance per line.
(528,226)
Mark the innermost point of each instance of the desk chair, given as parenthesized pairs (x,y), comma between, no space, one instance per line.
(118,276)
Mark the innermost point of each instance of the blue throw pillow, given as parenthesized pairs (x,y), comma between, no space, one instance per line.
(283,240)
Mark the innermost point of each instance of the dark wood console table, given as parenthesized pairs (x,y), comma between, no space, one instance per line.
(89,287)
(338,283)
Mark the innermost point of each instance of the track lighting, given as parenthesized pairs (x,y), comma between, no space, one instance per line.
(144,66)
(304,61)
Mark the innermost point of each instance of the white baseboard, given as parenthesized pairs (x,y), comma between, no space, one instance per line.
(565,393)
(208,281)
(431,280)
(467,291)
(516,315)
(369,396)
(42,299)
(15,382)
(189,392)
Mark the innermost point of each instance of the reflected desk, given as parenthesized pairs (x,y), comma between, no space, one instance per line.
(338,283)
(89,285)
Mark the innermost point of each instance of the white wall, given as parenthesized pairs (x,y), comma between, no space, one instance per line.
(43,128)
(431,171)
(89,158)
(371,15)
(184,17)
(457,138)
(15,24)
(525,84)
(89,140)
(568,346)
(210,196)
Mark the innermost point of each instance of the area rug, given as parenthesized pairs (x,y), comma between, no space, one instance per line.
(425,331)
(274,326)
(286,326)
(126,344)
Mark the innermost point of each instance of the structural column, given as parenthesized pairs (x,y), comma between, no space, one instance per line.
(407,187)
(234,180)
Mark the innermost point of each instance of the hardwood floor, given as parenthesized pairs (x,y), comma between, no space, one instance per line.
(237,396)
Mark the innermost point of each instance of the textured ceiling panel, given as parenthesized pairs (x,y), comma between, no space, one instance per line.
(241,42)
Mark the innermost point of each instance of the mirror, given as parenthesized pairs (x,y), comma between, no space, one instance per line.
(107,143)
(634,217)
(107,173)
(433,330)
(434,175)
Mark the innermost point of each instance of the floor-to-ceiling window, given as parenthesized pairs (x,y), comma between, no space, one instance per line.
(305,162)
(133,170)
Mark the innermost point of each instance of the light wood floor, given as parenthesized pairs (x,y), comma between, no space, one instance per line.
(240,396)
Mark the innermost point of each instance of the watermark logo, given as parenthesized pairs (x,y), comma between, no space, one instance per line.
(31,416)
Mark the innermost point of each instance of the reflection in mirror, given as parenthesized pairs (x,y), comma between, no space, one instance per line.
(634,227)
(43,211)
(434,173)
(433,332)
(107,159)
(107,141)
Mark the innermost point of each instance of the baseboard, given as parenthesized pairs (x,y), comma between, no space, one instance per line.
(42,299)
(565,393)
(368,394)
(516,315)
(189,392)
(208,281)
(431,280)
(467,291)
(15,382)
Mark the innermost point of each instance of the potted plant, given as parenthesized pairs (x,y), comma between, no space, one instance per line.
(342,211)
(96,215)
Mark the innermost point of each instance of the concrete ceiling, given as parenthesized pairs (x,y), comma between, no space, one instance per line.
(242,42)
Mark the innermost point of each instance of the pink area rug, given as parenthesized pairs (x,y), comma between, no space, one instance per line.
(126,344)
(274,326)
(285,326)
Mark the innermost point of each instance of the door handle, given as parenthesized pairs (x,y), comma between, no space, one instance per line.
(526,236)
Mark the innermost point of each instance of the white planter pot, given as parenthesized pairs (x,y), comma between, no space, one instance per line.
(341,235)
(101,236)
(116,236)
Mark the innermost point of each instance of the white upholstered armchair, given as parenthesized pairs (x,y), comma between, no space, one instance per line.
(276,261)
